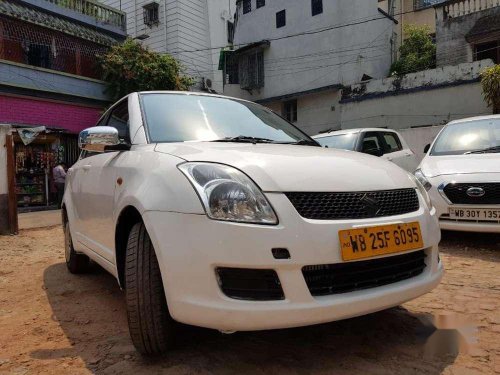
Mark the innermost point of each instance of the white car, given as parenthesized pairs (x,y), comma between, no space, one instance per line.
(216,212)
(385,143)
(461,171)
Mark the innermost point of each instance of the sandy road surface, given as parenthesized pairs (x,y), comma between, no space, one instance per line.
(54,322)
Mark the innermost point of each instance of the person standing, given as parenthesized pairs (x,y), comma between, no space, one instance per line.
(59,173)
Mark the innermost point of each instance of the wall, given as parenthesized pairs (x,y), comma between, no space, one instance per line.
(452,48)
(340,54)
(431,97)
(30,111)
(4,213)
(39,79)
(315,112)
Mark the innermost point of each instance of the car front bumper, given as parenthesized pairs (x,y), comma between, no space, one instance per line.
(443,205)
(191,247)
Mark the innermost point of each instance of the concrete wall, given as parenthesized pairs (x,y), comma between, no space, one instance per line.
(339,55)
(420,108)
(315,112)
(452,48)
(419,103)
(39,79)
(4,213)
(444,75)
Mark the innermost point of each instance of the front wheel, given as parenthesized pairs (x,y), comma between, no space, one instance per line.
(76,263)
(150,325)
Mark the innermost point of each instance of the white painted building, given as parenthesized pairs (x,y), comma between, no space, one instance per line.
(294,55)
(193,31)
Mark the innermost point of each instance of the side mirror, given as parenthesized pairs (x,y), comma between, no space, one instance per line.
(426,148)
(100,139)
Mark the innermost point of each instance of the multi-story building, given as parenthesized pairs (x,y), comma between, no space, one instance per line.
(49,79)
(295,55)
(467,31)
(193,31)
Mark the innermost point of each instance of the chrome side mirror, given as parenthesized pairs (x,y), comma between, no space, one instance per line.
(98,139)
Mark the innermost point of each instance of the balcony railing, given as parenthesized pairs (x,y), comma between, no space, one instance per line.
(459,8)
(101,12)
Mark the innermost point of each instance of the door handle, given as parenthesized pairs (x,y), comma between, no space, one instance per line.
(86,167)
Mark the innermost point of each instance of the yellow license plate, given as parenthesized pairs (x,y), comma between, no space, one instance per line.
(385,239)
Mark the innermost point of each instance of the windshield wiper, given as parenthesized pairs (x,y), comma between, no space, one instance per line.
(301,142)
(244,139)
(484,150)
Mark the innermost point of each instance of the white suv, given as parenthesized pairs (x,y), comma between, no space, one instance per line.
(461,171)
(385,143)
(216,212)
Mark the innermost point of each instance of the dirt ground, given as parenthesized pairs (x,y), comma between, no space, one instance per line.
(54,322)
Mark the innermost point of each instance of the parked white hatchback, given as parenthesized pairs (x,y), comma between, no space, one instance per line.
(216,212)
(385,143)
(461,171)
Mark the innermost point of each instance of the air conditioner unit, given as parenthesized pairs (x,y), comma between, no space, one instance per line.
(207,84)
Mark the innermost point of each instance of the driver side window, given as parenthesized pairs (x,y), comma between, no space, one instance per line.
(119,119)
(371,144)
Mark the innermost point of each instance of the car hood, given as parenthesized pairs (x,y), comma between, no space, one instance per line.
(433,166)
(287,168)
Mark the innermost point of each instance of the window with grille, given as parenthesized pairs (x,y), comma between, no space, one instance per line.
(39,55)
(230,32)
(281,18)
(317,7)
(151,14)
(290,110)
(247,6)
(251,70)
(261,3)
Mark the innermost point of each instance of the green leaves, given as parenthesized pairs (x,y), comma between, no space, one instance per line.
(490,80)
(417,52)
(129,67)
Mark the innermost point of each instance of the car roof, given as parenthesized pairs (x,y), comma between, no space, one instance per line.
(352,131)
(477,118)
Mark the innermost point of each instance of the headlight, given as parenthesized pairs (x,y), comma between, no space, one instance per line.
(228,194)
(422,179)
(423,191)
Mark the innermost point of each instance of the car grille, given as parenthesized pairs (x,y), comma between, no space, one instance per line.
(250,284)
(348,277)
(354,205)
(457,193)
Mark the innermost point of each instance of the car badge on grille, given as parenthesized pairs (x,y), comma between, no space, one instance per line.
(372,206)
(475,192)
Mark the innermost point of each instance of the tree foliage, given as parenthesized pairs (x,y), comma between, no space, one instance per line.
(490,80)
(129,67)
(418,52)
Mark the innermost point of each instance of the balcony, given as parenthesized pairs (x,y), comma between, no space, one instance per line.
(459,8)
(100,12)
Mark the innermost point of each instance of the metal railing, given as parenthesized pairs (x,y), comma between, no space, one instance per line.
(459,8)
(101,12)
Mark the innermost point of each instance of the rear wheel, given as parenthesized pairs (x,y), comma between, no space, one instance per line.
(76,263)
(151,327)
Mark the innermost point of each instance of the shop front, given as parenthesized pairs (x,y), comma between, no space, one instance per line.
(34,164)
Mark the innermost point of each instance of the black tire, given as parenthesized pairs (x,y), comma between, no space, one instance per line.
(150,324)
(76,263)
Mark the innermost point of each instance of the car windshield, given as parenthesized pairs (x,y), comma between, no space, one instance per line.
(342,141)
(469,137)
(184,118)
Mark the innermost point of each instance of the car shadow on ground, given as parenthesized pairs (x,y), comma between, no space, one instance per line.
(485,246)
(91,311)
